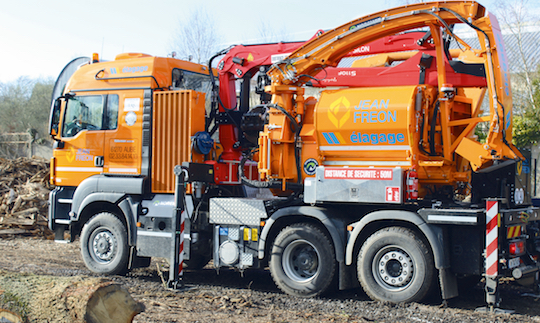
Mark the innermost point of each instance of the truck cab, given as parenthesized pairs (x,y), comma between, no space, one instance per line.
(102,125)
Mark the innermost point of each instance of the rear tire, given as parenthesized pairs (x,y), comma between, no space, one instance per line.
(302,262)
(104,245)
(395,265)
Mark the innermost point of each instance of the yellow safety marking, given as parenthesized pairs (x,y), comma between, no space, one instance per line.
(510,232)
(246,234)
(254,234)
(514,232)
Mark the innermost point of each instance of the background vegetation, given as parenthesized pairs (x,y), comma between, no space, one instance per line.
(24,106)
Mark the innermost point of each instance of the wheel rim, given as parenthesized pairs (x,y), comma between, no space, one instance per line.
(103,246)
(301,261)
(393,268)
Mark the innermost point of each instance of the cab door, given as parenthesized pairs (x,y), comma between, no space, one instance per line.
(123,151)
(79,152)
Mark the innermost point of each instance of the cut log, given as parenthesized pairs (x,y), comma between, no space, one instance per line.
(96,302)
(26,212)
(9,317)
(12,231)
(67,299)
(18,221)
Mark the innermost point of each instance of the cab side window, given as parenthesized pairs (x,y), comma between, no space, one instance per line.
(187,80)
(90,112)
(111,118)
(82,113)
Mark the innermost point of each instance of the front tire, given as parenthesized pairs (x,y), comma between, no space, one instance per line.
(104,245)
(394,265)
(302,262)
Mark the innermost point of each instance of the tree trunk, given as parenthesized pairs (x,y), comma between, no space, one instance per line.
(66,299)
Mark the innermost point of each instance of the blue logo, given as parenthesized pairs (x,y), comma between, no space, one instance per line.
(310,166)
(134,69)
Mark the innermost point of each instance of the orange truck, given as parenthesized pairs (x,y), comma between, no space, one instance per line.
(376,180)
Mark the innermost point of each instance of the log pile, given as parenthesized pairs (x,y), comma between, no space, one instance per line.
(24,191)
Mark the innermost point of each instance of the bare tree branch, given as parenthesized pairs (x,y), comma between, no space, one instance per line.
(196,37)
(269,34)
(516,18)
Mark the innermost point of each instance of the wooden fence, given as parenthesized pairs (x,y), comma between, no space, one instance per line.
(17,144)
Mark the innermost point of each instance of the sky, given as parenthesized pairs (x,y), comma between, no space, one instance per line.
(38,38)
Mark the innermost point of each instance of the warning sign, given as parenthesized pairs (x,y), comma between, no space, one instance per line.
(358,173)
(392,194)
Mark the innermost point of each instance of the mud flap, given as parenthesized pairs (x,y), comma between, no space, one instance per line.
(448,283)
(347,277)
(131,259)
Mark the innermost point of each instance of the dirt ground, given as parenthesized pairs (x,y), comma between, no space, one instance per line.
(253,297)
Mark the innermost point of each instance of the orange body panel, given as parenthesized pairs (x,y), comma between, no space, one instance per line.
(75,161)
(364,124)
(178,115)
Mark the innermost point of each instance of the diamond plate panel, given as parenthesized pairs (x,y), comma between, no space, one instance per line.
(234,234)
(247,259)
(239,211)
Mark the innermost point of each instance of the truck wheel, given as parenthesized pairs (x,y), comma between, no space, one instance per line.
(104,245)
(394,265)
(302,261)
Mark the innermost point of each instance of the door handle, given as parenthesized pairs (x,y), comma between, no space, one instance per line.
(98,161)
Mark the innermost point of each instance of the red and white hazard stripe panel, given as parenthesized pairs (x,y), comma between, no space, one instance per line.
(181,249)
(492,251)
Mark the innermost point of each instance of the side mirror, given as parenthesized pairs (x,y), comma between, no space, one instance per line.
(54,118)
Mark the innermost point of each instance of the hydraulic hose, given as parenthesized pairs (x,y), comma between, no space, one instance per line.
(433,124)
(215,89)
(269,184)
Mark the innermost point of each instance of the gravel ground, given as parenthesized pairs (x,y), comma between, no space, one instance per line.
(253,297)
